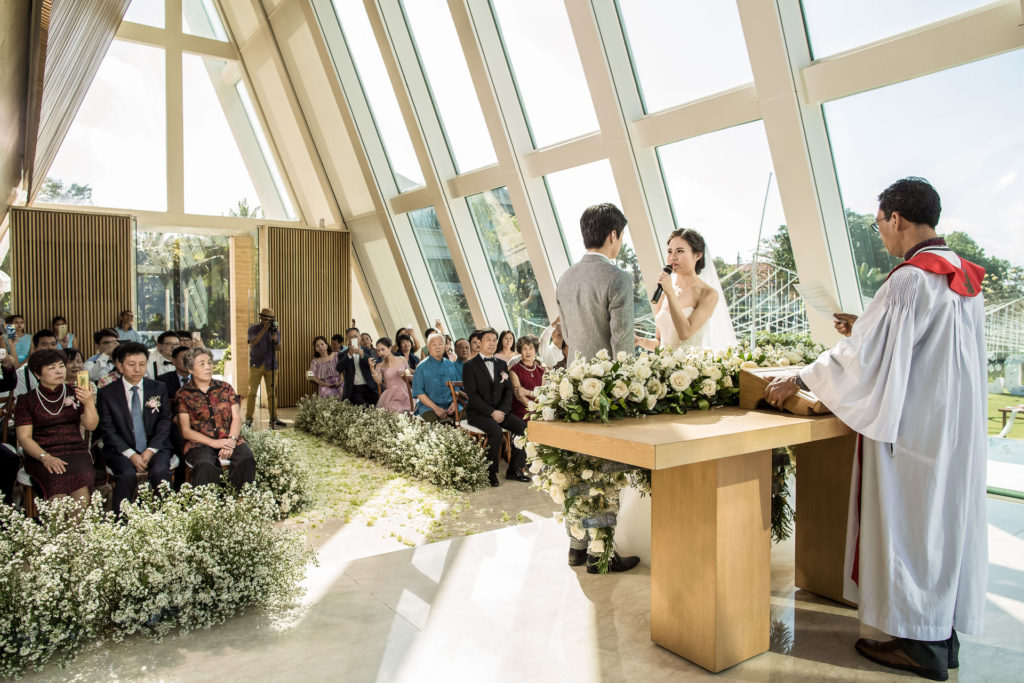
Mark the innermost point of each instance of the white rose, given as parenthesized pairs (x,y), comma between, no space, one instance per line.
(783,362)
(596,547)
(586,474)
(693,372)
(727,381)
(577,532)
(818,348)
(531,450)
(565,389)
(709,388)
(537,480)
(619,389)
(548,414)
(536,467)
(595,492)
(559,478)
(679,380)
(794,356)
(540,398)
(669,363)
(591,387)
(621,356)
(679,354)
(606,365)
(577,370)
(519,441)
(531,406)
(652,400)
(557,494)
(715,372)
(653,386)
(747,365)
(642,372)
(595,370)
(636,388)
(602,355)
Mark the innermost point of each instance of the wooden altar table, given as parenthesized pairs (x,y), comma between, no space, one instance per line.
(711,516)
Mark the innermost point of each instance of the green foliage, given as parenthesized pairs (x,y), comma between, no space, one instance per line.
(778,250)
(439,454)
(627,260)
(177,561)
(54,191)
(1003,281)
(243,210)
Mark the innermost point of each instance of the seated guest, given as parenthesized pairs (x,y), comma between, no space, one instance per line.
(405,351)
(49,421)
(135,420)
(173,381)
(100,365)
(439,328)
(526,375)
(324,367)
(337,343)
(163,361)
(474,343)
(59,326)
(486,382)
(41,340)
(551,346)
(461,354)
(211,422)
(185,338)
(124,329)
(9,462)
(506,346)
(353,364)
(19,341)
(390,371)
(430,384)
(75,364)
(366,340)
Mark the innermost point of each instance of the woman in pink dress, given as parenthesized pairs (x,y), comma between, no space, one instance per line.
(390,371)
(325,370)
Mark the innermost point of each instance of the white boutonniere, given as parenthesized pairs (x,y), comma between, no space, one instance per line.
(154,404)
(504,377)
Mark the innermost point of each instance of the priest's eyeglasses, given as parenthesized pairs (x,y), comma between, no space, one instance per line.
(874,226)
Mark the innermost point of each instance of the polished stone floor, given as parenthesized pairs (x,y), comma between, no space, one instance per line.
(503,606)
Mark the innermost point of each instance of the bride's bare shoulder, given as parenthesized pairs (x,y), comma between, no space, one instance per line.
(707,294)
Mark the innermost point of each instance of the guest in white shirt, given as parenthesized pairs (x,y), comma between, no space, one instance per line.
(125,330)
(100,366)
(163,360)
(550,351)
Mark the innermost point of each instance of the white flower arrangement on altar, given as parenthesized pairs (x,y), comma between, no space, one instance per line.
(668,380)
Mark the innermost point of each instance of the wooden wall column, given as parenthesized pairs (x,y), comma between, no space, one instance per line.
(243,301)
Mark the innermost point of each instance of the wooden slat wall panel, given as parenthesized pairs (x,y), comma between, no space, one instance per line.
(78,265)
(309,276)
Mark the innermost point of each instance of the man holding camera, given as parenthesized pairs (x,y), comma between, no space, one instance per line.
(354,366)
(264,343)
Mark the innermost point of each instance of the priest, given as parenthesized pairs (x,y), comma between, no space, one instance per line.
(910,378)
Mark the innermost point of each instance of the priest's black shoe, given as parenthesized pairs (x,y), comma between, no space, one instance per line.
(516,476)
(926,659)
(953,645)
(577,557)
(493,478)
(618,563)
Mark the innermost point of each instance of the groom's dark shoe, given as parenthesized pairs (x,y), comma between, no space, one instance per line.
(577,557)
(953,645)
(618,563)
(926,659)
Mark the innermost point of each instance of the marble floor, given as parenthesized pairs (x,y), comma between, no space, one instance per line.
(504,606)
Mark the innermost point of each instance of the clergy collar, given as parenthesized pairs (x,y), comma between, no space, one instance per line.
(932,242)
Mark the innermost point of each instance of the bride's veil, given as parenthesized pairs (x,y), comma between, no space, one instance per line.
(720,330)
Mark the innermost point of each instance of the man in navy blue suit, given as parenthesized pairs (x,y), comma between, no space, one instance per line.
(135,423)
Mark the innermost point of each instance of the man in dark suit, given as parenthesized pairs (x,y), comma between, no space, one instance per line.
(174,380)
(135,422)
(487,385)
(353,365)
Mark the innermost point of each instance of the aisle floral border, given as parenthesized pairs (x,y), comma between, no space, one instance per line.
(668,380)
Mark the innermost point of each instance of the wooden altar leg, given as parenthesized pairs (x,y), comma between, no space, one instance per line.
(710,559)
(823,470)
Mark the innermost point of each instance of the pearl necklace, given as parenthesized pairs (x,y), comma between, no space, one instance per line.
(43,400)
(530,370)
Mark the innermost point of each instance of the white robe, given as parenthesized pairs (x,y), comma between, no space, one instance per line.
(912,381)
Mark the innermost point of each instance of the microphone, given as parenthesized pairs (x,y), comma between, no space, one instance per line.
(658,291)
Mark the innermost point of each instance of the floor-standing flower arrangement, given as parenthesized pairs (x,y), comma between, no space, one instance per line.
(669,380)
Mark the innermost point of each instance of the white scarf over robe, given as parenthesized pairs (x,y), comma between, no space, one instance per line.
(912,381)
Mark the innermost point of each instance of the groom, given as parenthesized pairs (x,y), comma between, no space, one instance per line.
(595,298)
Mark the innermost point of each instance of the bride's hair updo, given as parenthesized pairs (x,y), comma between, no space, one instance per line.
(696,242)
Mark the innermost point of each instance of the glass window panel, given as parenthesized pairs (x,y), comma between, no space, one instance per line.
(116,148)
(664,34)
(373,76)
(217,181)
(542,53)
(510,266)
(268,157)
(719,184)
(450,83)
(443,277)
(572,191)
(183,284)
(148,12)
(834,26)
(200,18)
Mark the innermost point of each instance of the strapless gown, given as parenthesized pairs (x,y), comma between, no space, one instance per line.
(667,330)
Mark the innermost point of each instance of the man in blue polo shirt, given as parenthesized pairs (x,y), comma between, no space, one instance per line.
(430,383)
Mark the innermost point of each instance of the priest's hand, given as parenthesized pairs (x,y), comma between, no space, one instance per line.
(779,390)
(844,323)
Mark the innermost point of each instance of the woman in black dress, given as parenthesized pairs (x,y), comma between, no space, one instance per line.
(49,422)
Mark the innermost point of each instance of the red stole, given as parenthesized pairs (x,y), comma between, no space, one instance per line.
(965,280)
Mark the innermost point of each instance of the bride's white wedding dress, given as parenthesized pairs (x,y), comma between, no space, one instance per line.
(633,529)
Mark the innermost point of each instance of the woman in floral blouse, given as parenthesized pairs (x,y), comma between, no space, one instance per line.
(211,424)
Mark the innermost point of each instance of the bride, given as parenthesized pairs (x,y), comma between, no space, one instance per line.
(691,312)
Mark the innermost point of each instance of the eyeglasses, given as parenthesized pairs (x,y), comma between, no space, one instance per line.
(874,226)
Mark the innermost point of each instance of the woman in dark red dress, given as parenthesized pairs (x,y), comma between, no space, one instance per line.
(49,421)
(527,375)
